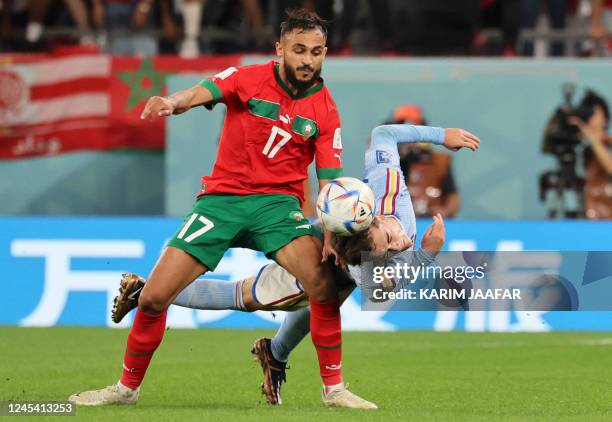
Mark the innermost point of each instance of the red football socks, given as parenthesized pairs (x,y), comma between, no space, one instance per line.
(146,334)
(325,330)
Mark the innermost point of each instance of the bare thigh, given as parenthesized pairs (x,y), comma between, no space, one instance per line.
(302,258)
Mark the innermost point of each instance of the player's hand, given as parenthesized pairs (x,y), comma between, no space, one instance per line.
(455,139)
(329,251)
(158,107)
(434,236)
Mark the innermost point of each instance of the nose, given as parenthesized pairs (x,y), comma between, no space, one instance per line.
(307,59)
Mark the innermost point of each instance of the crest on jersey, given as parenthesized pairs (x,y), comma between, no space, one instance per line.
(307,130)
(305,127)
(296,215)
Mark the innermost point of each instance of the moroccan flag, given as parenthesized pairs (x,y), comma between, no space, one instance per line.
(52,105)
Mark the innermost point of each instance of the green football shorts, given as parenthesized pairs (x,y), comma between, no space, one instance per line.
(263,222)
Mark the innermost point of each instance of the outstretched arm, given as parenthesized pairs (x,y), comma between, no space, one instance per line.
(452,138)
(219,88)
(177,103)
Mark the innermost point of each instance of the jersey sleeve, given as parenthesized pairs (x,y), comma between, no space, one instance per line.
(223,85)
(383,149)
(328,148)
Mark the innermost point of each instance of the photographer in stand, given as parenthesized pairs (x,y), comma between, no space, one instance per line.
(597,157)
(566,192)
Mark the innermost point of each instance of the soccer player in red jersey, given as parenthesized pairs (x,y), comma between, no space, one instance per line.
(279,117)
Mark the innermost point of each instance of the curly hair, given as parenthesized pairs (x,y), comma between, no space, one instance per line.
(304,20)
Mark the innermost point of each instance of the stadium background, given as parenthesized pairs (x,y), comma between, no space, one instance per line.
(89,191)
(60,270)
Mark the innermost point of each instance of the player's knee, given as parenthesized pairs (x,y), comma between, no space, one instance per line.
(322,293)
(152,303)
(321,285)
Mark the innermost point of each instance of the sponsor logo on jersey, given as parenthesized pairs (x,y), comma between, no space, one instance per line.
(382,157)
(285,118)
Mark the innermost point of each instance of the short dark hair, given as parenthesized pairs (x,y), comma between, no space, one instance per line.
(350,247)
(302,19)
(592,99)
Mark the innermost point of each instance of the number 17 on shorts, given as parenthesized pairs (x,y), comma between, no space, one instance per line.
(202,239)
(207,226)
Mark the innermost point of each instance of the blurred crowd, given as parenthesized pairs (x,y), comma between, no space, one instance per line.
(386,27)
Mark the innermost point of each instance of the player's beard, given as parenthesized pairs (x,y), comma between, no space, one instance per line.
(301,86)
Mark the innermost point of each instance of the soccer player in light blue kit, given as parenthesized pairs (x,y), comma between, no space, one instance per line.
(390,236)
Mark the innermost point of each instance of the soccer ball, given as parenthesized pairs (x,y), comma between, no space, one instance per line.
(345,206)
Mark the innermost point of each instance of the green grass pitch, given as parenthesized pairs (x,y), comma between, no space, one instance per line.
(208,375)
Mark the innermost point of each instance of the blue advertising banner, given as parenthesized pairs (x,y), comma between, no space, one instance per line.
(65,271)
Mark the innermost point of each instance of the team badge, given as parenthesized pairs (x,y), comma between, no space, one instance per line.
(382,157)
(296,215)
(203,188)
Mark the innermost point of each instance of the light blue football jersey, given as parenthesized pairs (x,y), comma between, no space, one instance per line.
(384,176)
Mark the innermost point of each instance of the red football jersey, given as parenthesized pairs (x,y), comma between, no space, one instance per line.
(269,136)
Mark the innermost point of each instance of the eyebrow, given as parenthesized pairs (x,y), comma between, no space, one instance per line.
(299,45)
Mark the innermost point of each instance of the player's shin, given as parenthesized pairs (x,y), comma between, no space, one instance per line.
(326,335)
(146,334)
(294,328)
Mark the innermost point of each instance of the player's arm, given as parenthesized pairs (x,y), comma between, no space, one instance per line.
(216,89)
(452,138)
(328,154)
(176,103)
(328,237)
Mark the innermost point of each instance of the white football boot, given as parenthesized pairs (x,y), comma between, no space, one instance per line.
(340,396)
(113,394)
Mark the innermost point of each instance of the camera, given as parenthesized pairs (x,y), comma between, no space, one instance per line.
(560,136)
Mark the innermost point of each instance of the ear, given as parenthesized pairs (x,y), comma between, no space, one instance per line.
(324,52)
(279,49)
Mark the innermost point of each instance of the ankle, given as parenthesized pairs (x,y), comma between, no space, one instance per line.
(328,388)
(124,388)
